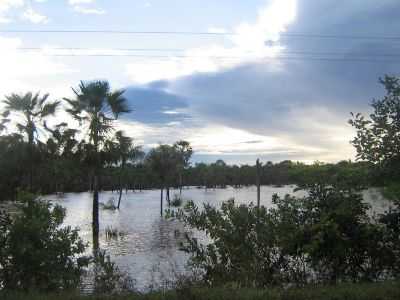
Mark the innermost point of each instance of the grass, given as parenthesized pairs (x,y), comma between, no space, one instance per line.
(110,205)
(366,291)
(176,201)
(113,233)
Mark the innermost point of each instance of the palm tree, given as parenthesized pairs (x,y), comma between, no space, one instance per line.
(97,106)
(184,153)
(122,150)
(60,148)
(29,111)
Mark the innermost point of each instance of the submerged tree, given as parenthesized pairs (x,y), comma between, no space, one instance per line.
(184,152)
(96,106)
(163,162)
(28,112)
(122,150)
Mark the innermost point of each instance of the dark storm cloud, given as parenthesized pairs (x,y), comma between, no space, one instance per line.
(310,94)
(306,99)
(154,105)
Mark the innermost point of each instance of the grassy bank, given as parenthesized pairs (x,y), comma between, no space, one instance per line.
(373,291)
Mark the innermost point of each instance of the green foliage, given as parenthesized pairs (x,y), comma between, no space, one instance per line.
(109,205)
(242,249)
(108,278)
(326,236)
(176,201)
(36,252)
(377,139)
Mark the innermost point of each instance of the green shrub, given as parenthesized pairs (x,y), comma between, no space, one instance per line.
(108,278)
(36,252)
(109,205)
(324,237)
(176,201)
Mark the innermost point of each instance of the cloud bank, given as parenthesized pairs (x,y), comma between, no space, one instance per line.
(298,105)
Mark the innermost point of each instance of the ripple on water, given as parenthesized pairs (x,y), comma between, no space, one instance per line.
(148,248)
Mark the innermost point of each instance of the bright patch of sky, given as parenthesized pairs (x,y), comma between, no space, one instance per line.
(232,96)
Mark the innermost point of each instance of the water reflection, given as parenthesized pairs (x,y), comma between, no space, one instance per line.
(148,248)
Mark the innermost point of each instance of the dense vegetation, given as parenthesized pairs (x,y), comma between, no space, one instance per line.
(326,237)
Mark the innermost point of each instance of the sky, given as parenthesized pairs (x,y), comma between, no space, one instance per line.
(273,79)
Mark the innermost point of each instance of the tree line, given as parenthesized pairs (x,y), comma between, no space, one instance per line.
(327,236)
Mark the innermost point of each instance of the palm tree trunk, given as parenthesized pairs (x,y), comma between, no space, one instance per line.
(258,182)
(161,201)
(120,186)
(180,185)
(119,197)
(31,159)
(95,212)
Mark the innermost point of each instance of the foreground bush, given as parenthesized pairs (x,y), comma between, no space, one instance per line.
(36,253)
(325,237)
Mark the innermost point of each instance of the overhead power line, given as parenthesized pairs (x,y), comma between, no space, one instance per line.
(222,58)
(326,53)
(206,33)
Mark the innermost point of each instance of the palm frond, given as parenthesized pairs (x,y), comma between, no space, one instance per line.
(43,99)
(49,109)
(118,103)
(17,103)
(5,113)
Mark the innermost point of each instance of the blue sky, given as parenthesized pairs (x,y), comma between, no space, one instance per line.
(258,93)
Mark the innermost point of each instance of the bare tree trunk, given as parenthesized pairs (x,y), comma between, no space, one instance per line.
(30,154)
(161,201)
(95,212)
(258,183)
(119,198)
(120,187)
(180,185)
(168,198)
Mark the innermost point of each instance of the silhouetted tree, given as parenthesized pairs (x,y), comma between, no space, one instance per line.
(28,113)
(97,106)
(121,151)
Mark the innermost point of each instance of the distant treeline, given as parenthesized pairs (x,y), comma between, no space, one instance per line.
(91,155)
(69,169)
(221,175)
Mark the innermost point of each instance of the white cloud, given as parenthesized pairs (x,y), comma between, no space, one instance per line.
(28,14)
(214,29)
(5,6)
(24,71)
(89,11)
(34,17)
(81,7)
(248,45)
(75,2)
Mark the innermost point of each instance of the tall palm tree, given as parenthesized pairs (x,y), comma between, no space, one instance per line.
(28,112)
(96,106)
(122,150)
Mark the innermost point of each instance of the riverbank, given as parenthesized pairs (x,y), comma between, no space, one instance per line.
(365,291)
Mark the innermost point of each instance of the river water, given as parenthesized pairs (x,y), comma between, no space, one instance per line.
(147,247)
